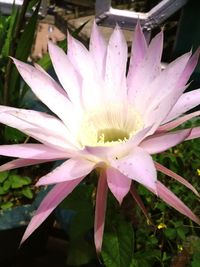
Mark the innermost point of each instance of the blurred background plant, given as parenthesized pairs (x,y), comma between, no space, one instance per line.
(17,33)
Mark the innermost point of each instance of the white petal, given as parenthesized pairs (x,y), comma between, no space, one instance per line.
(66,73)
(45,89)
(161,142)
(98,49)
(138,166)
(32,151)
(115,76)
(69,170)
(148,69)
(118,183)
(186,102)
(138,52)
(41,126)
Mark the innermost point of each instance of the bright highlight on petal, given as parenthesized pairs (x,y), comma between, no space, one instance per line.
(105,119)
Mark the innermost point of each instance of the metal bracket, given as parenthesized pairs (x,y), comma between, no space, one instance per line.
(108,16)
(6,7)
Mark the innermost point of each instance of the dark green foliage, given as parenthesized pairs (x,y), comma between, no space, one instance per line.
(14,189)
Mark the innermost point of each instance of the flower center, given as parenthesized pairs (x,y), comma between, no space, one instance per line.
(111,135)
(109,126)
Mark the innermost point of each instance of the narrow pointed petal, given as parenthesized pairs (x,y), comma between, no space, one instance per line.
(186,102)
(175,176)
(44,89)
(195,133)
(189,68)
(155,48)
(69,170)
(139,202)
(158,114)
(118,184)
(139,167)
(91,83)
(98,49)
(158,103)
(80,57)
(161,142)
(138,52)
(100,211)
(146,72)
(115,76)
(173,124)
(166,195)
(57,86)
(178,73)
(18,163)
(39,125)
(49,203)
(32,151)
(66,73)
(173,72)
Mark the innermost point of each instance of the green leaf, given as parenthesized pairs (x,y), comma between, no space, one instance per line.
(3,176)
(147,258)
(45,62)
(4,24)
(79,29)
(118,245)
(196,260)
(27,192)
(6,185)
(23,50)
(79,252)
(134,263)
(26,40)
(13,135)
(6,205)
(12,23)
(2,191)
(18,181)
(32,4)
(181,233)
(170,233)
(80,201)
(140,262)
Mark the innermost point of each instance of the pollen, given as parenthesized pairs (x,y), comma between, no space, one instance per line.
(109,126)
(112,135)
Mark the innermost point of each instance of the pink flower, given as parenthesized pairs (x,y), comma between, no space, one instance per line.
(105,119)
